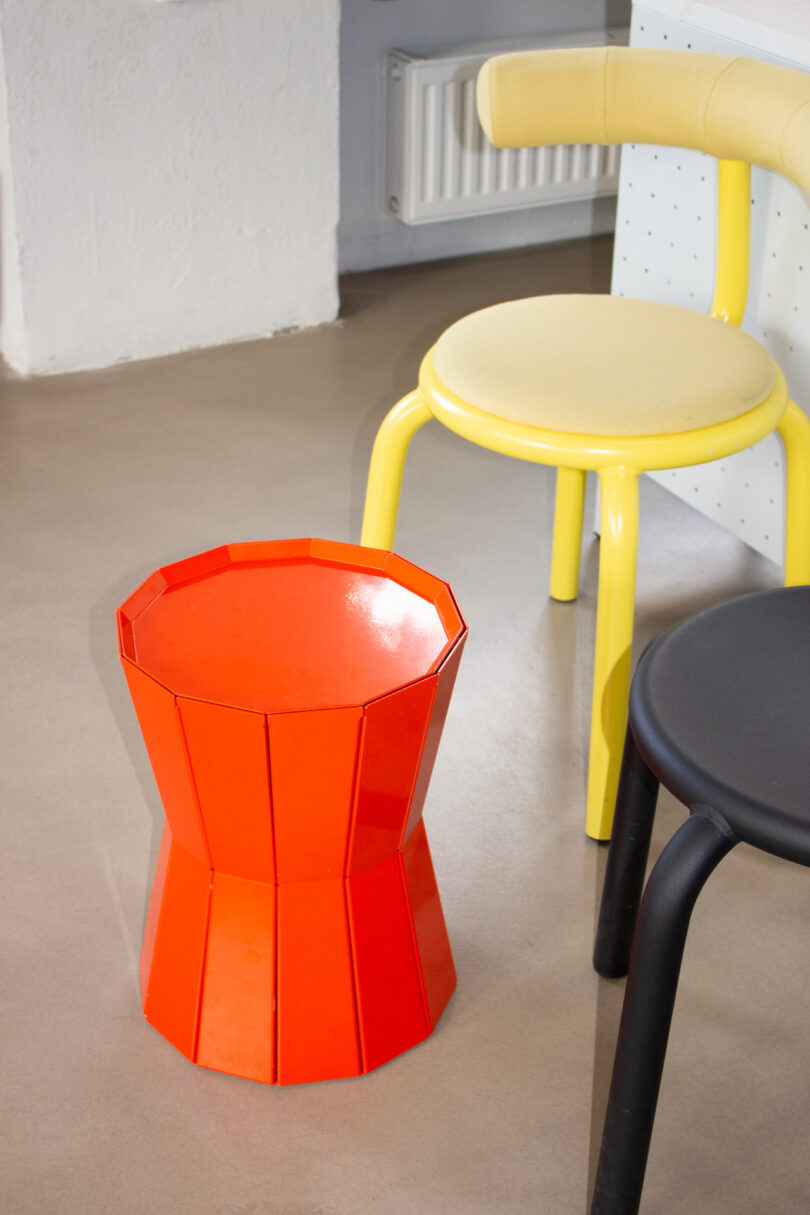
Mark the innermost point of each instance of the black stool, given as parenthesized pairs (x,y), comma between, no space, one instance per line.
(719,714)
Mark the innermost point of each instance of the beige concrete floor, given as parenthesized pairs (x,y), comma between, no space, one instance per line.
(105,477)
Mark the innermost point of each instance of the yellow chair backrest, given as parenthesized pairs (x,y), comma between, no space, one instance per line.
(739,110)
(733,108)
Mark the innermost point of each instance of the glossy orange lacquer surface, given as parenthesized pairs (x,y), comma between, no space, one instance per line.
(291,696)
(284,633)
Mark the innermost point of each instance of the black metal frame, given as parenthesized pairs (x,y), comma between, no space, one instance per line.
(648,939)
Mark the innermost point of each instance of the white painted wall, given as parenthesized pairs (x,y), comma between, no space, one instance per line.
(168,175)
(368,236)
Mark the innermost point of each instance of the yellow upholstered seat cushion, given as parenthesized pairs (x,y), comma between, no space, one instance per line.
(602,365)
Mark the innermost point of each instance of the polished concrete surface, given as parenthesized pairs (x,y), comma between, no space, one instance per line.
(106,476)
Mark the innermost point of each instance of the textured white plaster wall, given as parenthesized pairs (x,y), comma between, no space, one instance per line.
(169,175)
(12,334)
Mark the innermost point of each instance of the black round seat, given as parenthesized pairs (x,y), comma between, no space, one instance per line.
(720,715)
(720,710)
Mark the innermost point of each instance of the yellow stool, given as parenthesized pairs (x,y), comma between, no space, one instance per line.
(615,385)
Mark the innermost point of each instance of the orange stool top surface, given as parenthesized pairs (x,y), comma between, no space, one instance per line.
(289,625)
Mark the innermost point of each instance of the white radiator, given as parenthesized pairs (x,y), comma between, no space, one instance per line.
(439,163)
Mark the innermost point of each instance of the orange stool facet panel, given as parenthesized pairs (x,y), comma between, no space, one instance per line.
(291,695)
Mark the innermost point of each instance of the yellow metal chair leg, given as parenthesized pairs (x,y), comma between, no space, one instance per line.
(569,506)
(385,471)
(795,431)
(614,636)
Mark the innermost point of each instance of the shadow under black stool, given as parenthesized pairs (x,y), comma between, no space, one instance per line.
(720,715)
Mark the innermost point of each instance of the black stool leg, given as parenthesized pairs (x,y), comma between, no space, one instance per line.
(627,861)
(674,884)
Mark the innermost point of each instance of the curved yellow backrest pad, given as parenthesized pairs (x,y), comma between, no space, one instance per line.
(734,108)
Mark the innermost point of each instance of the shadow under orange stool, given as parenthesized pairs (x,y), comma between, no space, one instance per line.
(291,695)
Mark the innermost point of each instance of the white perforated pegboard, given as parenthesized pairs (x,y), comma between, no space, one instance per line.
(665,249)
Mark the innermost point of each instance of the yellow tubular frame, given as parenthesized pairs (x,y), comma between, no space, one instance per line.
(618,460)
(615,612)
(733,240)
(387,465)
(569,508)
(599,451)
(794,431)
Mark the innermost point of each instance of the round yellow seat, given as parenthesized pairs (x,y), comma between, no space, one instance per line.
(603,365)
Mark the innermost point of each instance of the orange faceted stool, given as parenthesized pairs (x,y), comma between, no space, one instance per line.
(291,696)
